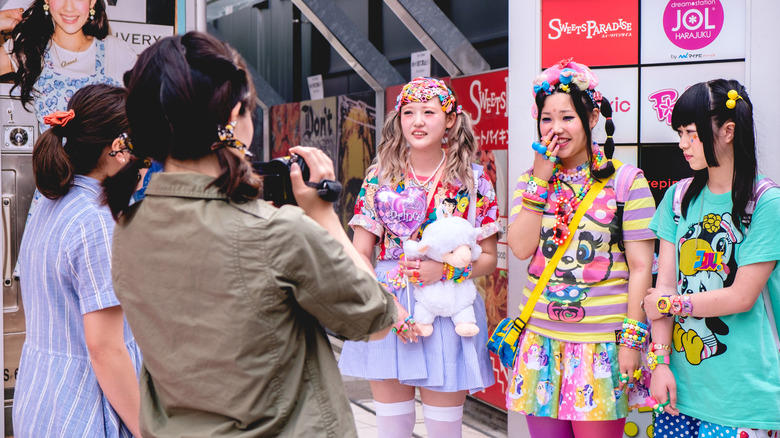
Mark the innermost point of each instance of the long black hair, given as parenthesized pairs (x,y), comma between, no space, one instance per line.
(584,106)
(31,39)
(704,105)
(180,91)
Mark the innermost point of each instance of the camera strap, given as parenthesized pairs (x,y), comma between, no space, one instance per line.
(327,189)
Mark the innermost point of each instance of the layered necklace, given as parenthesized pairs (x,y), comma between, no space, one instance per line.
(565,207)
(424,184)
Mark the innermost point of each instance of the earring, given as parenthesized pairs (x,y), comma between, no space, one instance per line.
(46,9)
(91,14)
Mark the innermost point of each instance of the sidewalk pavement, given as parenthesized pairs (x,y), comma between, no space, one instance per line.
(479,419)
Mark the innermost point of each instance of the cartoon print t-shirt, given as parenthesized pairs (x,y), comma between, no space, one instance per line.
(587,296)
(732,357)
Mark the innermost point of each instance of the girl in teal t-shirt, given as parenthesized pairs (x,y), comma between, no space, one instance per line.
(717,254)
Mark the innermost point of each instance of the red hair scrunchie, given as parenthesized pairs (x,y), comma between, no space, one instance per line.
(59,118)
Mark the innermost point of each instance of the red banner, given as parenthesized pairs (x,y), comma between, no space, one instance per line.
(484,98)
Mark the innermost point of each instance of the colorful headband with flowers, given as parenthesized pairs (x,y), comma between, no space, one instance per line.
(423,89)
(564,73)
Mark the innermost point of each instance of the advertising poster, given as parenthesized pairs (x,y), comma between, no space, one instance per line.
(318,126)
(391,94)
(662,85)
(284,128)
(680,31)
(141,23)
(357,148)
(663,166)
(619,86)
(599,32)
(483,97)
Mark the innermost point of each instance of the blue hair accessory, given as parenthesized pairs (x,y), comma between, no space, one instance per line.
(544,87)
(566,75)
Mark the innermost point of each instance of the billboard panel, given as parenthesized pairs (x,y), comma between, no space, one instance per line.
(692,30)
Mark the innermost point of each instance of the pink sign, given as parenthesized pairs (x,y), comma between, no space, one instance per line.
(663,104)
(692,25)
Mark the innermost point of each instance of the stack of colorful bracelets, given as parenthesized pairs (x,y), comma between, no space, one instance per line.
(634,334)
(457,275)
(535,203)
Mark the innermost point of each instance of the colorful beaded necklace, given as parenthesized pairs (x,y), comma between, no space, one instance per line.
(564,207)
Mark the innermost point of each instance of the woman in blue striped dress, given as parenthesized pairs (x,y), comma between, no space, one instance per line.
(79,364)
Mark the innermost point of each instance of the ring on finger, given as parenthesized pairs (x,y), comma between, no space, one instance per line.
(409,320)
(637,374)
(624,378)
(546,142)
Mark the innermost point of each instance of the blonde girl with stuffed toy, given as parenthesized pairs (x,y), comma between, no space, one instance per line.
(424,167)
(718,371)
(577,368)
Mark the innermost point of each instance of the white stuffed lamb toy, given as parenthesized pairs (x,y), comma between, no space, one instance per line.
(451,240)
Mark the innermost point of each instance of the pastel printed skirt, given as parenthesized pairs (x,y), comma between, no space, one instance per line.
(571,381)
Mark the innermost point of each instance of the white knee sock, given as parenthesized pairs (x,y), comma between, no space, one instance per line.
(443,422)
(395,420)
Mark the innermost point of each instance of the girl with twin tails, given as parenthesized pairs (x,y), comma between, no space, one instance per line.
(718,366)
(425,157)
(80,363)
(571,378)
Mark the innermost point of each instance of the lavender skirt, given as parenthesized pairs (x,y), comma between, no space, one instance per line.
(444,361)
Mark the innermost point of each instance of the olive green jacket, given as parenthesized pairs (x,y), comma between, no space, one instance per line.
(225,301)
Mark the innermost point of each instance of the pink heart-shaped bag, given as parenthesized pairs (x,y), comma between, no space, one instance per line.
(402,213)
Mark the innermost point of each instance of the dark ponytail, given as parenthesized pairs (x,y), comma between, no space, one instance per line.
(75,148)
(51,165)
(123,184)
(32,36)
(181,90)
(605,171)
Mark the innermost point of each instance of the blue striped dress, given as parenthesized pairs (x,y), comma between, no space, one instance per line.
(65,267)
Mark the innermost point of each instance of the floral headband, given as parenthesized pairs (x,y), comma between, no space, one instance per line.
(424,89)
(568,72)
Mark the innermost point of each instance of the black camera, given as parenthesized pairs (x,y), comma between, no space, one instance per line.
(277,186)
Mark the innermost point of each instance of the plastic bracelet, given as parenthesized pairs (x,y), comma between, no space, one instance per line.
(533,210)
(635,322)
(664,347)
(533,206)
(687,306)
(533,198)
(540,182)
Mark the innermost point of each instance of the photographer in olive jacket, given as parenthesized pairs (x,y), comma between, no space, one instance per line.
(227,306)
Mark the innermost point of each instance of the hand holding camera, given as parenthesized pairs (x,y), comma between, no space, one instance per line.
(280,190)
(320,168)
